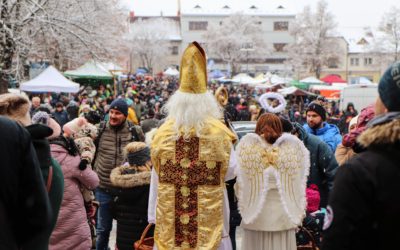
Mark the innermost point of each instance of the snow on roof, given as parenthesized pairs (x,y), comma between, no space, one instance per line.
(171,27)
(361,39)
(158,8)
(227,7)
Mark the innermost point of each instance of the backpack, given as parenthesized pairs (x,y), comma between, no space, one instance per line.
(135,136)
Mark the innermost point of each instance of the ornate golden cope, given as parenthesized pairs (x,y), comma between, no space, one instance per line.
(190,193)
(193,70)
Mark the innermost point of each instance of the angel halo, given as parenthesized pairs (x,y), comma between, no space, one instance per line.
(263,100)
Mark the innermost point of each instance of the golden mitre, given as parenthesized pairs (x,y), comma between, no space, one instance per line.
(193,70)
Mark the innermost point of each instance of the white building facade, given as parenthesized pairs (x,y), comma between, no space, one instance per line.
(195,16)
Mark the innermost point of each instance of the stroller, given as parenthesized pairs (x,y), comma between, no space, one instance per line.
(308,235)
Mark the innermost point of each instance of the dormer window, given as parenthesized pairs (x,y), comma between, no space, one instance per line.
(226,7)
(253,7)
(362,42)
(280,7)
(197,7)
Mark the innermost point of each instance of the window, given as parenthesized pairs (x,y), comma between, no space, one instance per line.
(198,25)
(174,50)
(247,46)
(279,47)
(332,63)
(354,61)
(368,61)
(281,26)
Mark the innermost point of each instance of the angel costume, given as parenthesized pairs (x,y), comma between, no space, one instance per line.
(271,188)
(188,200)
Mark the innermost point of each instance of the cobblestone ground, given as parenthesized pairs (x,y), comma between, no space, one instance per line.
(239,233)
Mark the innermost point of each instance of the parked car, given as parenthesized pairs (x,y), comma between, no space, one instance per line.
(241,128)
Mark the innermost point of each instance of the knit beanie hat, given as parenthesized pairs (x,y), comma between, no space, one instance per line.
(15,107)
(353,121)
(389,87)
(137,153)
(120,105)
(313,198)
(42,117)
(317,109)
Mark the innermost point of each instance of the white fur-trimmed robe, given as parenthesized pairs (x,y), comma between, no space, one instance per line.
(272,176)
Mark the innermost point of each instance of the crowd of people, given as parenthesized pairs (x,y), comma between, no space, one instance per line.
(161,151)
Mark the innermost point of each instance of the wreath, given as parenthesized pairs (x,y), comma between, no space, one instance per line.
(263,100)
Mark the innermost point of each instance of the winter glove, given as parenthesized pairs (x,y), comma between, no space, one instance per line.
(83,164)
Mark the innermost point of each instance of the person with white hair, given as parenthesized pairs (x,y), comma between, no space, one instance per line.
(191,154)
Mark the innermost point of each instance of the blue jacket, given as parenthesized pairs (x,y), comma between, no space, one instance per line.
(329,134)
(323,163)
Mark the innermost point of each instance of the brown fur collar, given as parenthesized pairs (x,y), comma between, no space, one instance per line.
(129,180)
(384,134)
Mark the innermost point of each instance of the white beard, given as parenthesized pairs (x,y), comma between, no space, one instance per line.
(190,111)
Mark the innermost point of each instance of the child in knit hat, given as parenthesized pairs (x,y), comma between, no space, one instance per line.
(83,134)
(132,182)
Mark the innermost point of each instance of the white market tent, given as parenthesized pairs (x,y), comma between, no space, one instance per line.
(50,80)
(246,79)
(171,72)
(311,79)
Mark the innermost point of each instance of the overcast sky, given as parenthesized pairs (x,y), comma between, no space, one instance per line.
(348,13)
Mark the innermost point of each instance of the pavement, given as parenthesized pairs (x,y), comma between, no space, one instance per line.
(113,236)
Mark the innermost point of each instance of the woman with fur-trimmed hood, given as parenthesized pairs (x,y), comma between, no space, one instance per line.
(132,181)
(363,211)
(271,185)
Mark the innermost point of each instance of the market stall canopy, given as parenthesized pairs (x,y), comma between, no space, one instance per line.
(216,74)
(294,91)
(242,78)
(50,80)
(333,79)
(312,80)
(330,92)
(110,66)
(90,70)
(171,72)
(275,79)
(246,79)
(300,85)
(361,80)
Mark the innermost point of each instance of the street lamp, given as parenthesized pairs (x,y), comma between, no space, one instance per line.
(247,50)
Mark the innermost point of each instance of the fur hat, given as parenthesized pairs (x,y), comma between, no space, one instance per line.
(16,107)
(74,126)
(315,107)
(389,87)
(42,117)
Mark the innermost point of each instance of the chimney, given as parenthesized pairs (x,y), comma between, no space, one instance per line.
(131,16)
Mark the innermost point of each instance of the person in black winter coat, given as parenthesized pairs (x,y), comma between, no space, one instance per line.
(132,187)
(364,207)
(25,210)
(323,163)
